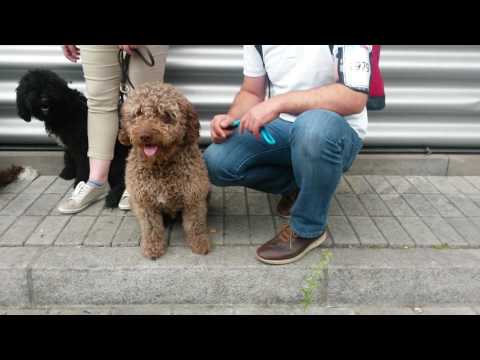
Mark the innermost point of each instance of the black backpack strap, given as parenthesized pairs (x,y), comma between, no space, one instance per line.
(260,51)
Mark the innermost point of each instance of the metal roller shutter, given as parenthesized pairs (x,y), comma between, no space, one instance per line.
(433,92)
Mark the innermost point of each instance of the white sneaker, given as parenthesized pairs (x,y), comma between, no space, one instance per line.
(82,197)
(124,203)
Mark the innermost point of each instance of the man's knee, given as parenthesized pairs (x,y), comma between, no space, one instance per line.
(219,169)
(316,130)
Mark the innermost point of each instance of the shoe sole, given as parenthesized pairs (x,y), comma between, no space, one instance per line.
(309,248)
(124,208)
(101,197)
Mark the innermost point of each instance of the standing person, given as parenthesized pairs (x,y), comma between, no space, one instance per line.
(317,115)
(103,74)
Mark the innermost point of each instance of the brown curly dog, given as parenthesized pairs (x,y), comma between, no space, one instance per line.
(165,170)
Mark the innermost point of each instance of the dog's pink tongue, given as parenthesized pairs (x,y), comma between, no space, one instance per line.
(150,150)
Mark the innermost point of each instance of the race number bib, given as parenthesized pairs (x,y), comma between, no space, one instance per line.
(353,65)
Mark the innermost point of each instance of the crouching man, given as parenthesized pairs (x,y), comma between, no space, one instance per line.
(316,112)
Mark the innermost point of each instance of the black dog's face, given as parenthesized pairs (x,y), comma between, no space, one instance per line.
(40,94)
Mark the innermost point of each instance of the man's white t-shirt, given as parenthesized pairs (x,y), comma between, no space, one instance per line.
(303,67)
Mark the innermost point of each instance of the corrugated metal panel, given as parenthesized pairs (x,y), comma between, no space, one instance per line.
(433,92)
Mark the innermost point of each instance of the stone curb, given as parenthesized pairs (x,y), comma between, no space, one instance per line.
(50,163)
(38,276)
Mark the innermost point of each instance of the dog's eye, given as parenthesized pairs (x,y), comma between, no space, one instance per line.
(168,119)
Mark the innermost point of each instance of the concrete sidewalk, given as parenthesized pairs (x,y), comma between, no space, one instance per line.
(175,309)
(395,240)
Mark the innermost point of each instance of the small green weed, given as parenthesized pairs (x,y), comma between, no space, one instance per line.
(312,280)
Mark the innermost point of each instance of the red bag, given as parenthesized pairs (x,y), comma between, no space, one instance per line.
(376,98)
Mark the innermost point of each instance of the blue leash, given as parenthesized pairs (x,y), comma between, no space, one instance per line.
(269,139)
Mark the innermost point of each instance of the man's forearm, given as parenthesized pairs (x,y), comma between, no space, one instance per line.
(336,97)
(243,102)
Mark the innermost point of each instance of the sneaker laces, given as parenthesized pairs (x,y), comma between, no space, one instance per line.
(287,235)
(79,191)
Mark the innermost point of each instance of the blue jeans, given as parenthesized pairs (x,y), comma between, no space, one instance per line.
(311,155)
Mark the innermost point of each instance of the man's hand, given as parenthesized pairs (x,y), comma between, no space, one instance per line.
(258,116)
(128,48)
(71,52)
(219,128)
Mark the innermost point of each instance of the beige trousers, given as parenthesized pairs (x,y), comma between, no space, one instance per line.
(102,77)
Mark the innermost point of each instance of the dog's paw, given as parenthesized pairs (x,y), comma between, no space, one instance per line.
(153,252)
(67,174)
(201,246)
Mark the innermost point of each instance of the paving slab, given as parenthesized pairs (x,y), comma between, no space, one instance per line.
(18,205)
(47,231)
(397,205)
(342,232)
(359,184)
(235,203)
(20,231)
(474,180)
(262,229)
(464,204)
(102,231)
(351,205)
(343,187)
(367,232)
(420,205)
(5,222)
(258,204)
(443,205)
(444,232)
(39,185)
(237,231)
(380,184)
(418,231)
(393,232)
(75,231)
(442,184)
(44,204)
(374,205)
(215,203)
(215,228)
(401,185)
(59,186)
(335,208)
(462,185)
(128,233)
(422,184)
(466,228)
(5,198)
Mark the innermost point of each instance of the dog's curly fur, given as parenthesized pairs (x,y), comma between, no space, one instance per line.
(46,96)
(9,175)
(173,179)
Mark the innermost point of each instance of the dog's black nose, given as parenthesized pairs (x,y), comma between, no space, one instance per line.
(146,138)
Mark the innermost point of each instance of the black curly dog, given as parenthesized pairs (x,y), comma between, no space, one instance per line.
(46,96)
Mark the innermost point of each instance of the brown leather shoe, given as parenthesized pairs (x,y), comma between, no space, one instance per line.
(287,247)
(286,203)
